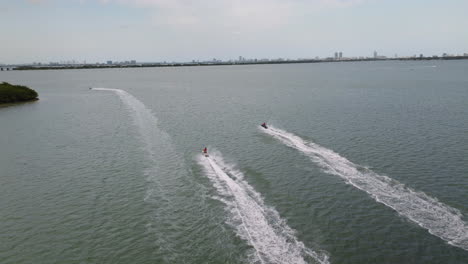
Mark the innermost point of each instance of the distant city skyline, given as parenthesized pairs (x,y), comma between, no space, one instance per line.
(338,57)
(180,30)
(335,56)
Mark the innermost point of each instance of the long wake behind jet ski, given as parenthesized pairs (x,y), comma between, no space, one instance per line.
(438,218)
(259,225)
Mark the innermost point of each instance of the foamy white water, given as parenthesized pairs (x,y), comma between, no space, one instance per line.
(439,219)
(142,116)
(153,138)
(261,226)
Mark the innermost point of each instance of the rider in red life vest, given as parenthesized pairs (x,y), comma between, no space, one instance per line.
(205,150)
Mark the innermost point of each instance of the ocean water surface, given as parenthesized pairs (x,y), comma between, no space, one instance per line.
(364,162)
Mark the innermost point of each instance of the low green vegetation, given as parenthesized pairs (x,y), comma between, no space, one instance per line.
(10,93)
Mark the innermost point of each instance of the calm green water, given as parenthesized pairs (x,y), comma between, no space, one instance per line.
(364,163)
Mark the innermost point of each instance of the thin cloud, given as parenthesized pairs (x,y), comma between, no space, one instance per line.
(36,1)
(231,13)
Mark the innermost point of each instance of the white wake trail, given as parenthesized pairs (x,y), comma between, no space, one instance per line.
(156,143)
(260,225)
(142,116)
(439,219)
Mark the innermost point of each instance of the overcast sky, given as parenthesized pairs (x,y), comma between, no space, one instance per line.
(182,30)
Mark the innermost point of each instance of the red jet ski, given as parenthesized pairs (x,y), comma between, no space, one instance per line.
(264,125)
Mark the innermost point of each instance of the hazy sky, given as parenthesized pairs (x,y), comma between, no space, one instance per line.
(182,30)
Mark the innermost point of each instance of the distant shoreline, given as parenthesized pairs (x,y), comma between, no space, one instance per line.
(191,64)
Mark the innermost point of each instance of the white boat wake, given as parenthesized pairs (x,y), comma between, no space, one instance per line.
(439,219)
(141,115)
(156,143)
(261,226)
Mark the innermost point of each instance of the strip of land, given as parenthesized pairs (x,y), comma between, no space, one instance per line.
(225,63)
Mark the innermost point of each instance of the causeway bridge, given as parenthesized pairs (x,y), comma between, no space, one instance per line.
(6,68)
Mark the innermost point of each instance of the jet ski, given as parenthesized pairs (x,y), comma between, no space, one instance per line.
(205,152)
(264,126)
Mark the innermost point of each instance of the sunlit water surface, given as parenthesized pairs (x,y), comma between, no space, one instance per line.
(365,163)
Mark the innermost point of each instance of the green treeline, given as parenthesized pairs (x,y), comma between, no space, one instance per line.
(10,93)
